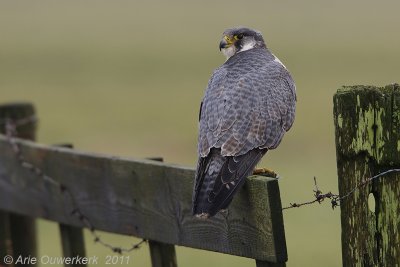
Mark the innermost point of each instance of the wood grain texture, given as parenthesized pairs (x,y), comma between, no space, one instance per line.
(367,123)
(144,198)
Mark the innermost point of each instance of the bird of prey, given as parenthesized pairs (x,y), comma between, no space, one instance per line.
(248,106)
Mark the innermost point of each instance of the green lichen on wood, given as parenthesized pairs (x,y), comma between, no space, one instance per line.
(364,138)
(367,122)
(388,222)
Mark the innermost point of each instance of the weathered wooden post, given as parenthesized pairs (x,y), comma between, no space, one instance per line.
(21,229)
(5,238)
(367,122)
(162,254)
(72,239)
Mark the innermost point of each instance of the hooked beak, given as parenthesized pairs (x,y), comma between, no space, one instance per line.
(225,42)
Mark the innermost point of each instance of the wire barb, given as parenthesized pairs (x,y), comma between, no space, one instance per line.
(11,132)
(337,199)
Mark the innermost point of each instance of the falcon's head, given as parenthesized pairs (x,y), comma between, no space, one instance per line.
(240,39)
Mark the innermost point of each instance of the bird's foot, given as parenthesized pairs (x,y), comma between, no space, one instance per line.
(202,216)
(265,172)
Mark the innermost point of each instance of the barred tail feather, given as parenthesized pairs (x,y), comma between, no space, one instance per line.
(218,178)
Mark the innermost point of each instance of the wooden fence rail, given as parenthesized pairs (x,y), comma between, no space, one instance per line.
(142,198)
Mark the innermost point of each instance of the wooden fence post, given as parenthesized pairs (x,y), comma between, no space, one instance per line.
(23,228)
(269,264)
(72,242)
(162,254)
(72,239)
(367,123)
(5,238)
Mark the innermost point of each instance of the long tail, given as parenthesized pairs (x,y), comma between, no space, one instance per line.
(218,178)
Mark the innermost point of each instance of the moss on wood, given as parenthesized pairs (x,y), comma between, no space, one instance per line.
(367,123)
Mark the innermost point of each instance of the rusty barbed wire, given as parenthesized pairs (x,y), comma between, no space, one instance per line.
(10,133)
(337,199)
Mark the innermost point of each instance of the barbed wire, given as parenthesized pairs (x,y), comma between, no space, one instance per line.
(10,133)
(337,199)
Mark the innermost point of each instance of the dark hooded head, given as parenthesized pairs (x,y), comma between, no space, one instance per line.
(240,39)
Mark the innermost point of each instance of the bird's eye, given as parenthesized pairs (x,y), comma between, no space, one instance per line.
(239,36)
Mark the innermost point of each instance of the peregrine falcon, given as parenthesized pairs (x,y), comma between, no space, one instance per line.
(248,106)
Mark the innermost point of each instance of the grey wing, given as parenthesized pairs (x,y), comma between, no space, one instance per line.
(240,113)
(211,110)
(278,108)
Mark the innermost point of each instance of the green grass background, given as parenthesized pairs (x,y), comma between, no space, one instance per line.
(126,78)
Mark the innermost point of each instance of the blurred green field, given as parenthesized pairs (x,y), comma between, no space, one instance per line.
(126,78)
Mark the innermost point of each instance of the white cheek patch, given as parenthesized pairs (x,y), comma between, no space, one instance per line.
(248,45)
(229,51)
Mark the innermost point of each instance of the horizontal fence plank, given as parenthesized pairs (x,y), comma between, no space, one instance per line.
(143,198)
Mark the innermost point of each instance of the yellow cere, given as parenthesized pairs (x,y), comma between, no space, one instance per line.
(227,39)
